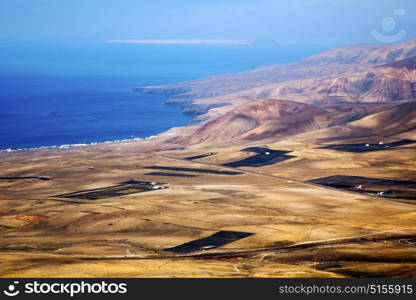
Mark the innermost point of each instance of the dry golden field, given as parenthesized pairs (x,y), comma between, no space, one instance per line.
(298,229)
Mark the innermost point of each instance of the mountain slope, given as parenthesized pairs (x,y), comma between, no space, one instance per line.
(262,119)
(386,83)
(372,54)
(350,92)
(396,120)
(273,120)
(213,91)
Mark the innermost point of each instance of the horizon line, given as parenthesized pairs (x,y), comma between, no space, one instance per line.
(184,42)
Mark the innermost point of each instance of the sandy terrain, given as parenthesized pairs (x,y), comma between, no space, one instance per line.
(298,229)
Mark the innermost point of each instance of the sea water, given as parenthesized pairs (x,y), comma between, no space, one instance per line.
(74,93)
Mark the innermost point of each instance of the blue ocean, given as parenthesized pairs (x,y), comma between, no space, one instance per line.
(60,94)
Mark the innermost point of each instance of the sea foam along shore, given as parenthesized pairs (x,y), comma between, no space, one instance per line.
(66,146)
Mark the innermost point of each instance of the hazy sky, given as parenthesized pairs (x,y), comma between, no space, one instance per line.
(287,21)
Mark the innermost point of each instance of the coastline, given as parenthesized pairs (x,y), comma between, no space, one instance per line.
(67,146)
(46,127)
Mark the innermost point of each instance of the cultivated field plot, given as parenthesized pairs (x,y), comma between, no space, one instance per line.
(25,178)
(167,174)
(200,156)
(376,186)
(263,157)
(368,147)
(124,188)
(195,170)
(216,240)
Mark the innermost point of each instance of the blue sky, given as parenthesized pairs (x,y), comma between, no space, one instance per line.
(287,21)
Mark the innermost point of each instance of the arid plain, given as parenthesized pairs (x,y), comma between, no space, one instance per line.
(260,188)
(298,228)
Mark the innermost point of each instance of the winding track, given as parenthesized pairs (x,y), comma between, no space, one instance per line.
(368,238)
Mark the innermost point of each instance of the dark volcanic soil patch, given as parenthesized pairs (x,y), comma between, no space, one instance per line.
(367,147)
(200,156)
(170,174)
(124,188)
(216,240)
(25,177)
(263,157)
(195,170)
(386,188)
